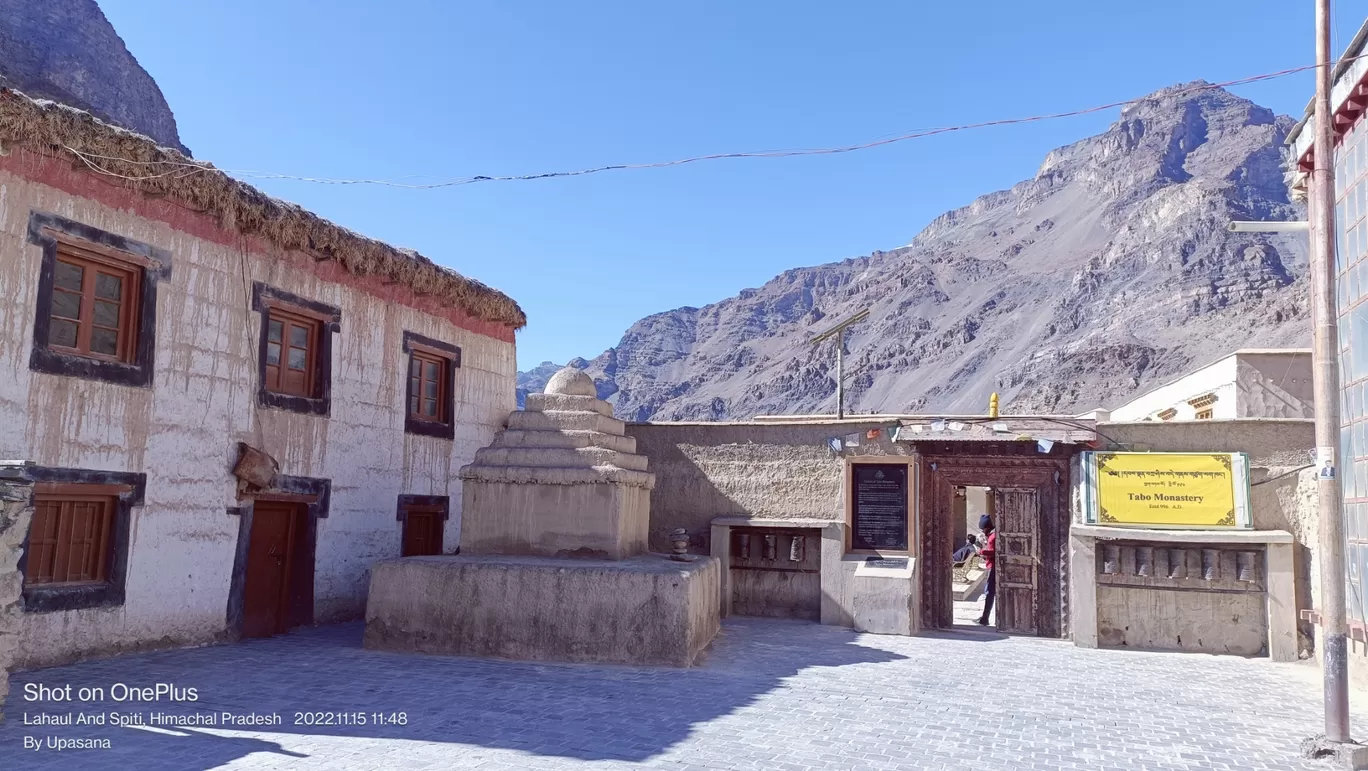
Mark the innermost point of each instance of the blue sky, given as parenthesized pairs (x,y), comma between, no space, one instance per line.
(346,89)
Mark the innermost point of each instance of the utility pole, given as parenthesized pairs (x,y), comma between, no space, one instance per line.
(838,332)
(840,374)
(1321,203)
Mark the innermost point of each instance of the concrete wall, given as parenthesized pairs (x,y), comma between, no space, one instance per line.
(1282,494)
(16,509)
(755,470)
(1247,384)
(183,430)
(1218,378)
(642,610)
(1275,385)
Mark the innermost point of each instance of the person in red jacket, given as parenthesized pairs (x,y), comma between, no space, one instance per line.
(989,553)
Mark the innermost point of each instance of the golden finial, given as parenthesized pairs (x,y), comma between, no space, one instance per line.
(993,405)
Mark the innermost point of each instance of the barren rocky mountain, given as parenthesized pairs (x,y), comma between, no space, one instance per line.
(1108,272)
(67,51)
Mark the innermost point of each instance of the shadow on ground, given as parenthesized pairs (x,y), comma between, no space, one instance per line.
(585,712)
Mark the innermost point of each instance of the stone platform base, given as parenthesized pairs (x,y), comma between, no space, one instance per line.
(644,610)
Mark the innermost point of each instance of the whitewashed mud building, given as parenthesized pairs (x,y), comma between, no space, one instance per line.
(164,327)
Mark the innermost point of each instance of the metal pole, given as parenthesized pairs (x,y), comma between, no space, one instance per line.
(1321,203)
(840,375)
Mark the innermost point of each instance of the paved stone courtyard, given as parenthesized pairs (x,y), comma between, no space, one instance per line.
(772,696)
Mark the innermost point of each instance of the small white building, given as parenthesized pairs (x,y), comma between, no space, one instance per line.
(1250,383)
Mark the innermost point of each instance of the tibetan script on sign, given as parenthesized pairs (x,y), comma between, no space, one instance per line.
(880,507)
(1152,489)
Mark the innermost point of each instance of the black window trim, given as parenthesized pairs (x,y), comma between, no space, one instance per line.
(48,599)
(321,404)
(412,425)
(155,264)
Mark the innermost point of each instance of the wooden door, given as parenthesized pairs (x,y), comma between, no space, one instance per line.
(265,607)
(422,533)
(1018,558)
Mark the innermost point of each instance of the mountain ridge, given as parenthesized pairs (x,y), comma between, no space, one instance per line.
(1107,271)
(68,52)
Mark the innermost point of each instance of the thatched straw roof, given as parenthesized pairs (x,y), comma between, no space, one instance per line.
(138,162)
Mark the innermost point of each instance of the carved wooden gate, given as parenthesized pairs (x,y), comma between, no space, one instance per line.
(1018,558)
(1033,527)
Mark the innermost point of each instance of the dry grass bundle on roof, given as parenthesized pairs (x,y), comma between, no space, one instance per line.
(161,171)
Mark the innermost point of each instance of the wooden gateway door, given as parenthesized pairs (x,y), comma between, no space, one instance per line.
(1018,557)
(270,551)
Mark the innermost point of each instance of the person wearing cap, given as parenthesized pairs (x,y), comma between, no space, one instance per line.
(989,554)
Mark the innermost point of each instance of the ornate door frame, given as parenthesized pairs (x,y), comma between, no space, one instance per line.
(941,473)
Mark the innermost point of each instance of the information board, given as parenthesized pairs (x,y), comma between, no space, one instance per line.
(879,507)
(1168,490)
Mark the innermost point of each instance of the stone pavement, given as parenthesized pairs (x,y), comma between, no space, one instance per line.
(772,695)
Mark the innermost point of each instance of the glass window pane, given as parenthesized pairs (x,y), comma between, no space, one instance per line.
(430,407)
(68,276)
(66,305)
(62,333)
(273,353)
(106,314)
(298,358)
(104,341)
(299,336)
(431,373)
(108,287)
(415,367)
(413,404)
(430,389)
(274,331)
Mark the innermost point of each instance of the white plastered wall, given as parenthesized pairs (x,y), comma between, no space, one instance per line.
(182,432)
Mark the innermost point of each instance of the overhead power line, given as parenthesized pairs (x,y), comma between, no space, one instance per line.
(187,168)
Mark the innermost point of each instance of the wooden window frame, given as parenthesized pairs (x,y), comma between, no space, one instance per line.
(1204,414)
(141,265)
(1206,400)
(326,320)
(848,492)
(419,347)
(123,491)
(55,566)
(313,332)
(439,505)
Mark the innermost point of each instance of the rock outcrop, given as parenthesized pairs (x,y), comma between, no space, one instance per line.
(1109,271)
(67,51)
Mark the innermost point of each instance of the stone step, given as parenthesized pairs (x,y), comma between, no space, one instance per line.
(574,438)
(540,475)
(567,403)
(562,420)
(558,457)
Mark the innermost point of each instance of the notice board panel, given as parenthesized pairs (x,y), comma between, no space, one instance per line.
(879,507)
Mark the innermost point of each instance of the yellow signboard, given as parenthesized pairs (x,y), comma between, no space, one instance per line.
(1152,489)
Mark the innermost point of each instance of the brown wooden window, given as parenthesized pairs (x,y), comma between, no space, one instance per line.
(1204,414)
(96,304)
(94,308)
(70,536)
(292,343)
(424,518)
(429,387)
(429,398)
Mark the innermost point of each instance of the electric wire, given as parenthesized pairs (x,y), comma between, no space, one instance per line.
(190,168)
